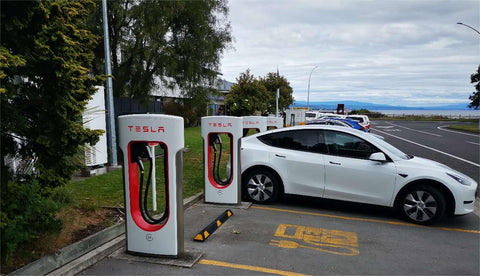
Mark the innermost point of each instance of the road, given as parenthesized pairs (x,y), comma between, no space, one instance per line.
(432,140)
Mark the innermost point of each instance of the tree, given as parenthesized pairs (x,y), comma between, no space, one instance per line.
(248,96)
(475,97)
(163,41)
(273,81)
(46,55)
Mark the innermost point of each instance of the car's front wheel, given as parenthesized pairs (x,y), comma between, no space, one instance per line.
(261,186)
(422,204)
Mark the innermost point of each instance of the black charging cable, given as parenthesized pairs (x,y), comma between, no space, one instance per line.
(144,203)
(216,161)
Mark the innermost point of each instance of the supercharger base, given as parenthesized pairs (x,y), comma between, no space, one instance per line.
(188,258)
(152,233)
(222,188)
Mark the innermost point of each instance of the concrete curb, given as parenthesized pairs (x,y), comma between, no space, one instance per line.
(90,258)
(76,257)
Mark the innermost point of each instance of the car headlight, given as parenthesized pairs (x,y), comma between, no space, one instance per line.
(460,179)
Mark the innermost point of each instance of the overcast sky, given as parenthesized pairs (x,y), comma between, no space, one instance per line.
(409,53)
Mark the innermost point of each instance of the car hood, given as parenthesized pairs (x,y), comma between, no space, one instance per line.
(418,162)
(423,162)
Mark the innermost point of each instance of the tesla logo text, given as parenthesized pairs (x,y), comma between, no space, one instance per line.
(220,124)
(146,129)
(251,123)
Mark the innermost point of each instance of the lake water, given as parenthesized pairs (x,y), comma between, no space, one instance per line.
(448,113)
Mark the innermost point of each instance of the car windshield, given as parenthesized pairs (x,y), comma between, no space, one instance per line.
(391,148)
(310,115)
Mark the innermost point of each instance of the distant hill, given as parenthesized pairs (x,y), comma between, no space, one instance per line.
(371,106)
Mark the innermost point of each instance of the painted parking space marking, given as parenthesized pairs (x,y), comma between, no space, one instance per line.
(331,241)
(424,132)
(388,128)
(473,143)
(458,132)
(365,219)
(250,267)
(427,147)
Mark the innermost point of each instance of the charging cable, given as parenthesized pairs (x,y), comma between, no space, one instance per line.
(144,203)
(214,140)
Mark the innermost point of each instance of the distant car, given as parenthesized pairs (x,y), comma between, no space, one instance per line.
(316,114)
(355,124)
(311,115)
(362,119)
(345,164)
(332,116)
(328,122)
(336,122)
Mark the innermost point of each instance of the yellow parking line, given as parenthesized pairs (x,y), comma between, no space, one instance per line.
(364,219)
(249,267)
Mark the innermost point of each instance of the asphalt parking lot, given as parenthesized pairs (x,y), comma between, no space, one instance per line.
(301,235)
(432,140)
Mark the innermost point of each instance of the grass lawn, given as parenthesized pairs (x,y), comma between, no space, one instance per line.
(470,128)
(107,190)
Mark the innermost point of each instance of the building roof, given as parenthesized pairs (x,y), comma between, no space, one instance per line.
(175,92)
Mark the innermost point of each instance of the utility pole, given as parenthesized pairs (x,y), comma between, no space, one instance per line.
(308,95)
(278,94)
(276,103)
(111,132)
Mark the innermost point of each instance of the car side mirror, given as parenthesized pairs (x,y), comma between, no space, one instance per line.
(378,156)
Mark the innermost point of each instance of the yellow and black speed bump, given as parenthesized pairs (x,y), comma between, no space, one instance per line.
(207,231)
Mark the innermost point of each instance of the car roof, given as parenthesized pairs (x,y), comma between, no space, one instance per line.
(322,127)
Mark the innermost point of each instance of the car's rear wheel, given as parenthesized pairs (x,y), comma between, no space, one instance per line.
(422,204)
(261,186)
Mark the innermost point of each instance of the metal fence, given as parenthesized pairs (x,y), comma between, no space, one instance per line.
(124,106)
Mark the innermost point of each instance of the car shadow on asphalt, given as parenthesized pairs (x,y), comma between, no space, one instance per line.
(368,211)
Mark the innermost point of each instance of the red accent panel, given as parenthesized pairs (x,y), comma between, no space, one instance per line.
(134,192)
(210,171)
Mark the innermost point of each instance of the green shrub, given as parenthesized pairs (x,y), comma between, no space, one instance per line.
(62,195)
(25,214)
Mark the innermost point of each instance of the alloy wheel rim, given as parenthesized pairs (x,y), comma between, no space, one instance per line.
(420,206)
(260,187)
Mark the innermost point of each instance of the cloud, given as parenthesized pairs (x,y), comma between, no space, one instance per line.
(377,51)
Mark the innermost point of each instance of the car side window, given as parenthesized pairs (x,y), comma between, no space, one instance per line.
(346,145)
(309,140)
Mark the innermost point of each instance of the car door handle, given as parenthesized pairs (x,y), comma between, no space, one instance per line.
(281,156)
(334,163)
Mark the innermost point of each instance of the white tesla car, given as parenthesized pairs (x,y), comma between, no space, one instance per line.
(345,164)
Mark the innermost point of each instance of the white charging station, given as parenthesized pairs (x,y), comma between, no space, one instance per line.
(295,117)
(274,122)
(257,123)
(152,233)
(222,188)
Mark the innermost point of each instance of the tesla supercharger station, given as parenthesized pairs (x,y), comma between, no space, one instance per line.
(257,123)
(294,117)
(152,232)
(274,122)
(221,143)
